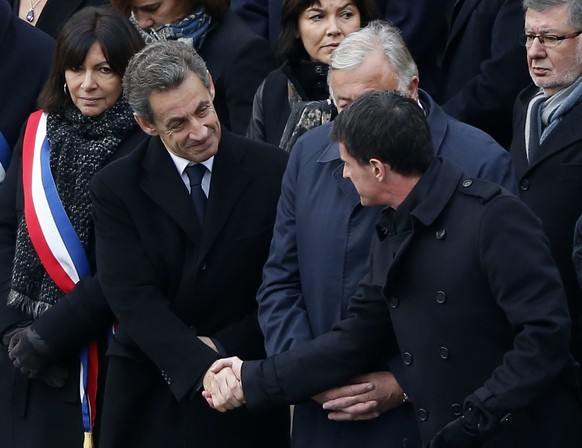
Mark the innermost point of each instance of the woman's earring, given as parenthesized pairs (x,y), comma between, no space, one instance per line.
(65,89)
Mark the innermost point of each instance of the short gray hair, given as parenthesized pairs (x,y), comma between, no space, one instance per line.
(160,66)
(377,35)
(574,7)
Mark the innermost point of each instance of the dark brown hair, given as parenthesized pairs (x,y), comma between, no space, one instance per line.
(216,8)
(289,46)
(118,40)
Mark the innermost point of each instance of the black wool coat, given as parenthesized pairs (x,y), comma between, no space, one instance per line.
(168,281)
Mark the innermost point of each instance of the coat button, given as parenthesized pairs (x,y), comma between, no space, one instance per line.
(456,409)
(524,184)
(394,302)
(441,297)
(440,234)
(407,358)
(203,267)
(422,415)
(444,353)
(467,183)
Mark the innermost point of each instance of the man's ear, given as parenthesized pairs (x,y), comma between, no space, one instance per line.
(412,89)
(146,126)
(211,86)
(378,169)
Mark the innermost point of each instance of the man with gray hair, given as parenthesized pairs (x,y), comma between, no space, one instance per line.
(547,135)
(183,226)
(322,236)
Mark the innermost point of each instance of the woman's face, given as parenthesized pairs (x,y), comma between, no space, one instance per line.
(93,86)
(154,13)
(323,25)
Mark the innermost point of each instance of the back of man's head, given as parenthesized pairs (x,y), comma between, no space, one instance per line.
(389,127)
(160,66)
(377,35)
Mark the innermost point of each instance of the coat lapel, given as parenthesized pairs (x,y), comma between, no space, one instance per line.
(163,185)
(230,176)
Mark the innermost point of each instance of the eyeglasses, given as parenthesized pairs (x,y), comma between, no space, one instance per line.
(547,40)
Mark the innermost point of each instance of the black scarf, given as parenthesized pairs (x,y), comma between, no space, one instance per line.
(79,147)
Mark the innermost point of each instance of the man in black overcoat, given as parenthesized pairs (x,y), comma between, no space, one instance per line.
(460,280)
(547,136)
(181,271)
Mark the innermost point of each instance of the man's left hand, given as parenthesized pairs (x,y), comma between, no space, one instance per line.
(366,398)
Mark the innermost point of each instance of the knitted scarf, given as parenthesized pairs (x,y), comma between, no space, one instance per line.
(192,29)
(79,147)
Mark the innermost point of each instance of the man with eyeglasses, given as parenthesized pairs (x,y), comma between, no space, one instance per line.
(547,134)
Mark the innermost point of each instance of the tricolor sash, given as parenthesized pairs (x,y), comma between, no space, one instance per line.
(5,156)
(57,244)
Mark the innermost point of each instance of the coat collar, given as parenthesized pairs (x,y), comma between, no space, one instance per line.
(162,183)
(435,189)
(567,132)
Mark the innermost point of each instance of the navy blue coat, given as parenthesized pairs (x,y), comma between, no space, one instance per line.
(473,300)
(238,61)
(262,16)
(484,66)
(320,244)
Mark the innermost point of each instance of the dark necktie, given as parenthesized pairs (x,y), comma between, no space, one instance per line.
(195,174)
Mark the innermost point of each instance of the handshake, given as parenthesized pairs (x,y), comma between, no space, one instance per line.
(364,397)
(223,389)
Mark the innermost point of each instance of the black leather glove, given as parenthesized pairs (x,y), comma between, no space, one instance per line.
(54,375)
(7,335)
(462,432)
(23,354)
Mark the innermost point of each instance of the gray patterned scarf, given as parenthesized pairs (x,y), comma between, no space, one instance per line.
(79,147)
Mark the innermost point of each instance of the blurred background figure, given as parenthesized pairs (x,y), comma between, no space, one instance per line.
(20,84)
(483,67)
(84,124)
(237,58)
(295,98)
(50,15)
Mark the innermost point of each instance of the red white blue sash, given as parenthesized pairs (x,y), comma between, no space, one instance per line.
(56,243)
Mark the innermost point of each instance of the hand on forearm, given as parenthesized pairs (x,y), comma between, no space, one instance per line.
(369,396)
(222,385)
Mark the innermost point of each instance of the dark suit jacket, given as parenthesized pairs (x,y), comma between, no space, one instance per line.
(484,66)
(20,82)
(552,186)
(470,309)
(57,12)
(168,281)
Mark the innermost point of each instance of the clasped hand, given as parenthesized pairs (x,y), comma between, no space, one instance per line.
(222,385)
(365,398)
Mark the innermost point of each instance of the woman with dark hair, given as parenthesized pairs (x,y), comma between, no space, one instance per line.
(47,248)
(237,58)
(294,98)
